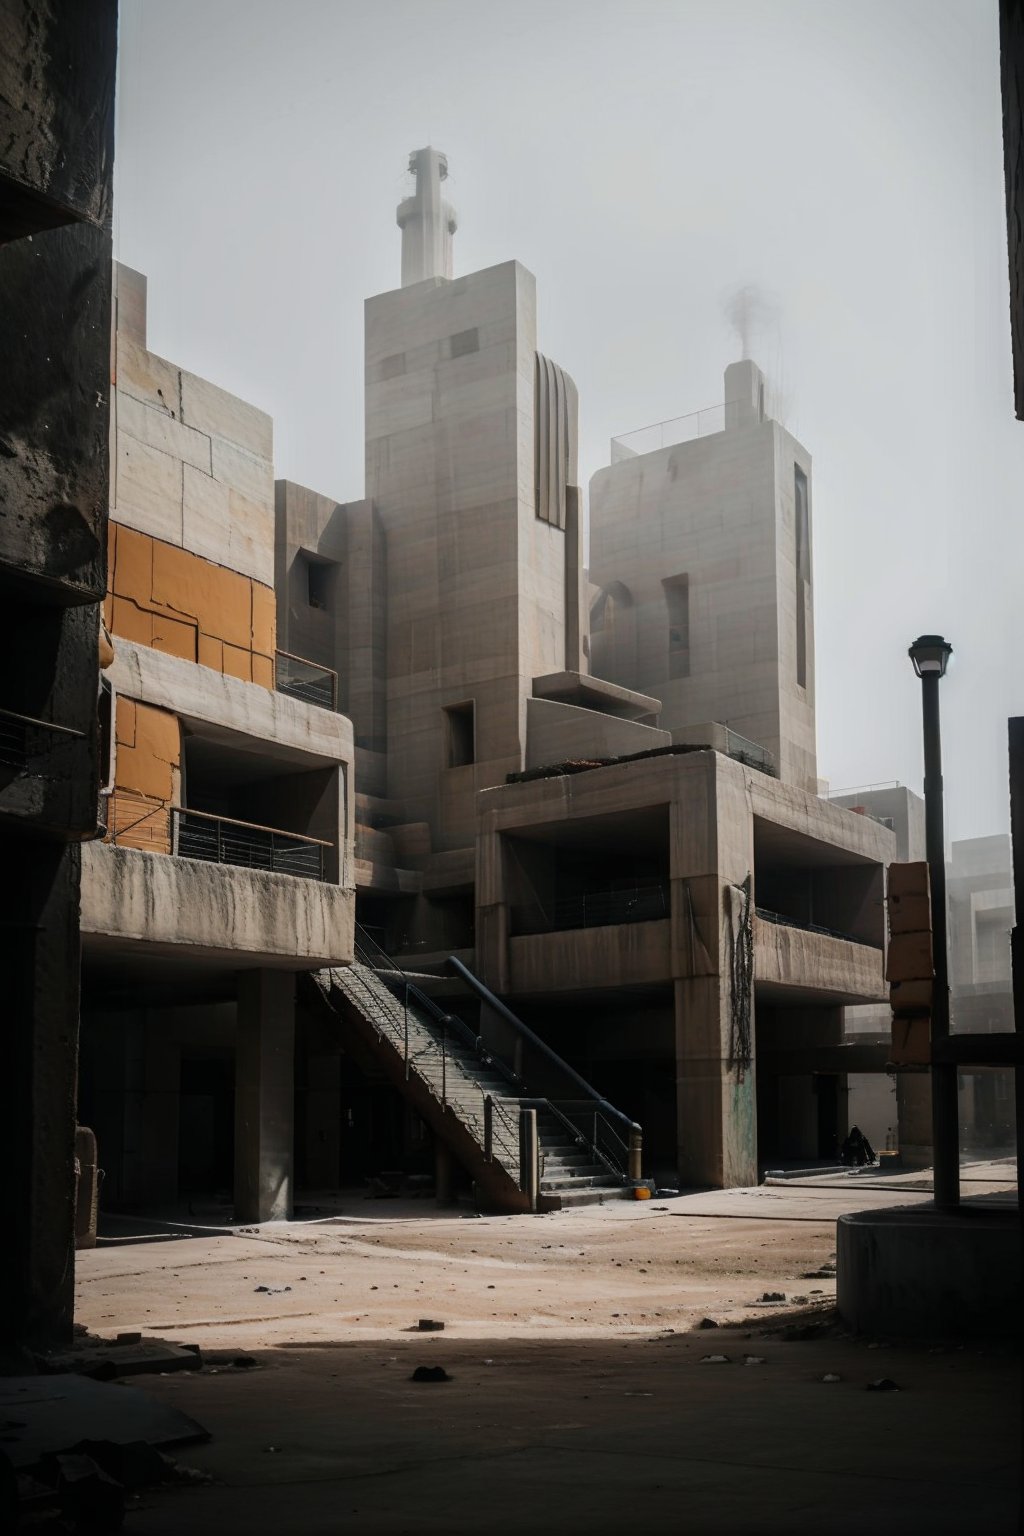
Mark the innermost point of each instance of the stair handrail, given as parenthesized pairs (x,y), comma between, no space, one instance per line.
(634,1133)
(386,966)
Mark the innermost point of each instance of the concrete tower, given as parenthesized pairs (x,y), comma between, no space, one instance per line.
(426,220)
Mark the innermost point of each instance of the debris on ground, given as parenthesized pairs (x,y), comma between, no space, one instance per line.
(883,1384)
(130,1354)
(753,1359)
(773,1296)
(831,1376)
(430,1325)
(272,1290)
(715,1360)
(430,1373)
(707,1322)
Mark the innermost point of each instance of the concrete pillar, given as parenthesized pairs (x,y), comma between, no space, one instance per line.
(264,1095)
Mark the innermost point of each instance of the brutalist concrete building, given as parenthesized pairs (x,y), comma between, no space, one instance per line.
(575,813)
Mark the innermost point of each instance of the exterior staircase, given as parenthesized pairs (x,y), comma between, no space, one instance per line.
(472,1100)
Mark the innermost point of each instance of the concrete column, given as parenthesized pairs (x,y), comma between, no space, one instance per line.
(264,1095)
(711,851)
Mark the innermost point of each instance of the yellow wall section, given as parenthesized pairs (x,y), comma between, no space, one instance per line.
(175,601)
(147,776)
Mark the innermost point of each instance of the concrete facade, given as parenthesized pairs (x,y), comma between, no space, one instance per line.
(610,816)
(228,864)
(701,552)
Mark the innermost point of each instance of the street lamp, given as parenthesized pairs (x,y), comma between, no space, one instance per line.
(930,655)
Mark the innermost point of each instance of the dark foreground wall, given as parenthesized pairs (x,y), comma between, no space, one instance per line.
(57,69)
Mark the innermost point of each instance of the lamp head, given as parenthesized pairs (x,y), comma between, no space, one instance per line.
(930,655)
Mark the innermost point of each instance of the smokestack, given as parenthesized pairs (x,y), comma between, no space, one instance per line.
(426,220)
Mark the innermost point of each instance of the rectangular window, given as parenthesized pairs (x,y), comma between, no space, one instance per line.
(461,734)
(319,576)
(464,342)
(803,570)
(677,603)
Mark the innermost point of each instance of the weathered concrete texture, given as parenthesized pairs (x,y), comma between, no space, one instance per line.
(57,66)
(927,1273)
(190,908)
(694,549)
(709,825)
(54,407)
(300,732)
(476,580)
(557,733)
(39,952)
(193,464)
(264,1096)
(331,597)
(626,954)
(817,963)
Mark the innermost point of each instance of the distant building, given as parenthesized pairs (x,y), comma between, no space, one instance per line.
(600,800)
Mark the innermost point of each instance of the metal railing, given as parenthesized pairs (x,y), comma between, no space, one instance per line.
(665,434)
(743,750)
(615,1139)
(595,909)
(135,821)
(783,920)
(247,844)
(306,680)
(28,744)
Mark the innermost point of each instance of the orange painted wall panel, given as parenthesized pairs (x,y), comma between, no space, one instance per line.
(147,776)
(177,602)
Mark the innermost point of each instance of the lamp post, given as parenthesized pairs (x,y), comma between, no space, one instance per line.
(930,655)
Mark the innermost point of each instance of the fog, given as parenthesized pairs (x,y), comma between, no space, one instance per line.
(817,183)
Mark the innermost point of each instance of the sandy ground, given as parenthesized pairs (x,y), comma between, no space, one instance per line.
(597,1271)
(580,1398)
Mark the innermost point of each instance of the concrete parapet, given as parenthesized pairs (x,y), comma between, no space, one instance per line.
(927,1273)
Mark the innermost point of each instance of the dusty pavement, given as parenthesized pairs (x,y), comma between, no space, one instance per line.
(580,1398)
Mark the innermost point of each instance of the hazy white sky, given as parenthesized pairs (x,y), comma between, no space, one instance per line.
(643,158)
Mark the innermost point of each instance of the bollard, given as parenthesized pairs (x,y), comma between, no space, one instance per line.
(636,1146)
(528,1160)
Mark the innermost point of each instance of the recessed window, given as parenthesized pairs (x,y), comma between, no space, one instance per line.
(677,602)
(461,734)
(319,576)
(465,342)
(803,570)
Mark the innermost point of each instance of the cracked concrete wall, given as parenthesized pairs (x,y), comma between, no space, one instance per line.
(182,604)
(193,464)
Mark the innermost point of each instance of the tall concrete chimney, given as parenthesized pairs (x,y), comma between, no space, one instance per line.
(426,220)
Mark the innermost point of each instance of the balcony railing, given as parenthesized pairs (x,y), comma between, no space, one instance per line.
(595,909)
(666,434)
(743,750)
(28,745)
(192,834)
(785,921)
(302,679)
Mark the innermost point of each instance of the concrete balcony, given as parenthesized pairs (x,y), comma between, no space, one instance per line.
(580,959)
(822,966)
(191,909)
